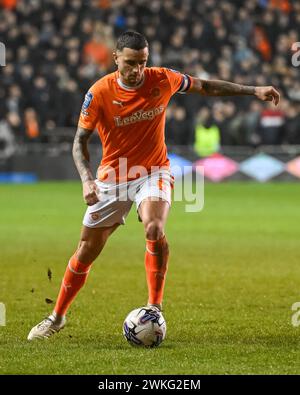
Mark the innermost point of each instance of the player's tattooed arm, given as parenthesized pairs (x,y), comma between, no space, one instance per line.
(81,154)
(220,88)
(225,88)
(82,161)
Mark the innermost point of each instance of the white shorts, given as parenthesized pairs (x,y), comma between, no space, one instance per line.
(115,200)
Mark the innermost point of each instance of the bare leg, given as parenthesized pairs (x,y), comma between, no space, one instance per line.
(91,244)
(92,241)
(154,215)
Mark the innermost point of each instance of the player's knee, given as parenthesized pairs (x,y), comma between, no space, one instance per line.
(154,230)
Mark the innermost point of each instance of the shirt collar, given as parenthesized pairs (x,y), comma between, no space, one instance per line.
(130,88)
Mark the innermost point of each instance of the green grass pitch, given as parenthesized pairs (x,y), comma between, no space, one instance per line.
(233,276)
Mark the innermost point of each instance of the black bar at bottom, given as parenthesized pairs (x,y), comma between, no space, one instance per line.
(144,383)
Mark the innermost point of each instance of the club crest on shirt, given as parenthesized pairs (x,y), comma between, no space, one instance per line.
(95,216)
(155,92)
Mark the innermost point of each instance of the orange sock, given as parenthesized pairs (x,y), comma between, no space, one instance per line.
(74,278)
(156,264)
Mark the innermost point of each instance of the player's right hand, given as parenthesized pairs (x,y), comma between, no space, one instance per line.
(267,93)
(89,190)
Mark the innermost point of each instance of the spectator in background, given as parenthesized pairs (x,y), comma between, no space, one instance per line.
(99,49)
(293,125)
(32,129)
(231,126)
(40,97)
(156,53)
(243,27)
(271,126)
(207,134)
(262,43)
(7,140)
(72,100)
(95,51)
(293,91)
(14,123)
(177,131)
(251,124)
(8,4)
(24,78)
(14,101)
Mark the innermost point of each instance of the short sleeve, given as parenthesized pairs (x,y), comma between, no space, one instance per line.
(180,83)
(90,110)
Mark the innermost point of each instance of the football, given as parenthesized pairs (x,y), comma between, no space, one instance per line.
(144,327)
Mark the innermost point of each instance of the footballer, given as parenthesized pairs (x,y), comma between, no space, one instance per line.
(128,109)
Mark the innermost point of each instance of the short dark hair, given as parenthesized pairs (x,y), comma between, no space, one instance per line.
(131,39)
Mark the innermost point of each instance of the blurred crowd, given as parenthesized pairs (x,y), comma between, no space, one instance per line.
(56,49)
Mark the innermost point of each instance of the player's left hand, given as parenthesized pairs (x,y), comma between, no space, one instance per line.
(90,192)
(267,93)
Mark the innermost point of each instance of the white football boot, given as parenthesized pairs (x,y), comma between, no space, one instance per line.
(48,327)
(156,307)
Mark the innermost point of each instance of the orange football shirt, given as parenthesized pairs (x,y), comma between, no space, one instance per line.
(131,121)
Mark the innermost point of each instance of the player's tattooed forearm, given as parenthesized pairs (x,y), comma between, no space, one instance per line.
(225,88)
(81,155)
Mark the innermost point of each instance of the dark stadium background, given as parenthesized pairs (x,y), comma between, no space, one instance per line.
(56,49)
